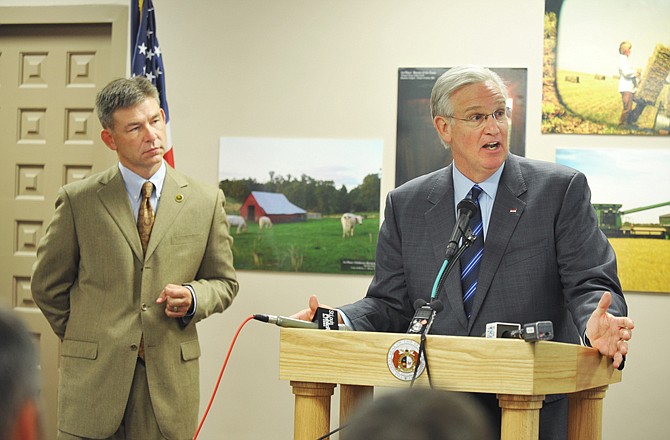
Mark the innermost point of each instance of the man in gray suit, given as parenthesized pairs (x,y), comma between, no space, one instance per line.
(544,256)
(126,310)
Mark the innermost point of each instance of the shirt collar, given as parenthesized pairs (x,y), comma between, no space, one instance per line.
(463,185)
(134,182)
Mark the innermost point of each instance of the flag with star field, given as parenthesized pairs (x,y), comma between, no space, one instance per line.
(147,59)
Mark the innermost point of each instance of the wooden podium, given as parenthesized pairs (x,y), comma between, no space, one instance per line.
(519,372)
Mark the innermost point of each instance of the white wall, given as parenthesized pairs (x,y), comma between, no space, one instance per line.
(328,69)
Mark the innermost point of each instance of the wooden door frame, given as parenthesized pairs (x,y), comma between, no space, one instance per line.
(118,17)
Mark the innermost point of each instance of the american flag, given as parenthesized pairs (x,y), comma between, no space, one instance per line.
(147,60)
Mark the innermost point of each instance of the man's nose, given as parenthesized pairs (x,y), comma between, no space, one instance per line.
(491,125)
(151,133)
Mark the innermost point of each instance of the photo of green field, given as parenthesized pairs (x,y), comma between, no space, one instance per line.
(315,245)
(595,99)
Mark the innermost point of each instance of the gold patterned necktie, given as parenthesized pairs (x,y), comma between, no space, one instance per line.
(146,215)
(145,222)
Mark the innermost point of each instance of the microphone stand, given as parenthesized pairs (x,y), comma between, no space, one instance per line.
(468,239)
(426,313)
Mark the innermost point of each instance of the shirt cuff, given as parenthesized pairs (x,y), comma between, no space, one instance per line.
(586,340)
(194,302)
(345,318)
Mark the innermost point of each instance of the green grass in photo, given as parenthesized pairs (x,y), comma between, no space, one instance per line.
(309,246)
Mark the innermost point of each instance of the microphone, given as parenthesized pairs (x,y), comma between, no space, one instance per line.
(538,331)
(424,316)
(466,209)
(501,329)
(531,332)
(285,322)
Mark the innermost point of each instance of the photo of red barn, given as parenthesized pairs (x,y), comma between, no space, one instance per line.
(273,205)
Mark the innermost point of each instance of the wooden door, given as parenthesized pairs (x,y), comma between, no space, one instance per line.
(53,61)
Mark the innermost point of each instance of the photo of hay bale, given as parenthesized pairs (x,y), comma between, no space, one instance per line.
(655,75)
(654,87)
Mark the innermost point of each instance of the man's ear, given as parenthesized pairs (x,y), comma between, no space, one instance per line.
(27,425)
(443,128)
(108,139)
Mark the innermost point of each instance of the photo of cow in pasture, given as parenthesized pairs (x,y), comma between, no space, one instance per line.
(315,215)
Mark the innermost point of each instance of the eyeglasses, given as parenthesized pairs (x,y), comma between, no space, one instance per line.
(478,119)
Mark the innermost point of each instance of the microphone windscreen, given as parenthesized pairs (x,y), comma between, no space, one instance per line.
(437,306)
(468,205)
(419,303)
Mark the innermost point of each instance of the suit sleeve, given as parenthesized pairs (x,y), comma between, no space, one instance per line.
(216,283)
(56,268)
(586,260)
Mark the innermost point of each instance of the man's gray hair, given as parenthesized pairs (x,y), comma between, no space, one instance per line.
(455,78)
(122,93)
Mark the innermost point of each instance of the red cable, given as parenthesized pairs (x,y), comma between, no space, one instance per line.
(211,400)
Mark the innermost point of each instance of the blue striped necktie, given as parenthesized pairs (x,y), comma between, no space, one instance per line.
(473,255)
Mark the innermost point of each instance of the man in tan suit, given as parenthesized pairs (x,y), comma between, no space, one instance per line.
(127,316)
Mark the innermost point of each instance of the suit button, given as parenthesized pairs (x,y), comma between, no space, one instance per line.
(133,347)
(144,307)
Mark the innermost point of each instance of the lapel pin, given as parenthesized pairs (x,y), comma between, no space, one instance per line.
(512,211)
(179,198)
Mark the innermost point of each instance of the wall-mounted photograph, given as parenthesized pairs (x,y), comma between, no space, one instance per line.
(418,147)
(606,67)
(302,205)
(631,195)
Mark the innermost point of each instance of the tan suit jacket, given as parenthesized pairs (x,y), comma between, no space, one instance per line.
(98,292)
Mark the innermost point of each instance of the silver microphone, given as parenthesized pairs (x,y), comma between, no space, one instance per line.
(285,322)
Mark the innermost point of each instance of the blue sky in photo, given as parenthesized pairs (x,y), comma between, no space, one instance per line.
(344,161)
(632,177)
(590,32)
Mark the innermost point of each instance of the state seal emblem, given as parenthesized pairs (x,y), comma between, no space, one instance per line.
(402,358)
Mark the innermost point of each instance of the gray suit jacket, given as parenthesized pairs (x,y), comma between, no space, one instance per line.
(544,259)
(98,291)
(544,256)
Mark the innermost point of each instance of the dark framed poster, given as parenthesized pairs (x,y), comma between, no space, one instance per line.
(418,147)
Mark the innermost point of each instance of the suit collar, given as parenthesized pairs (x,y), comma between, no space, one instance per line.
(113,195)
(175,195)
(440,220)
(114,198)
(440,216)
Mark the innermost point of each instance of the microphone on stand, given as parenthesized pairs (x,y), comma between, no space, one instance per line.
(466,209)
(425,312)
